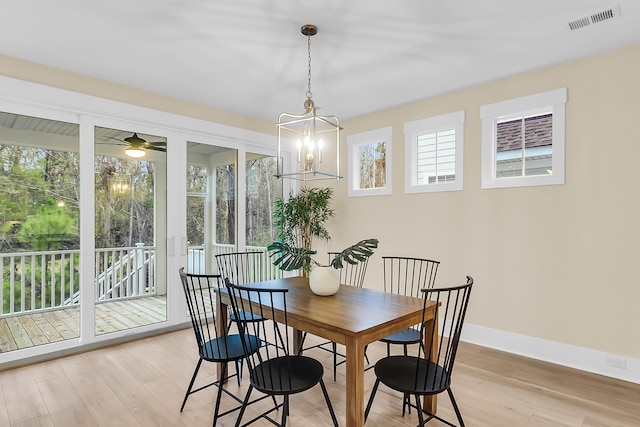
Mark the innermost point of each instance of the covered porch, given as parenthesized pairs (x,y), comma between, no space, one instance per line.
(43,327)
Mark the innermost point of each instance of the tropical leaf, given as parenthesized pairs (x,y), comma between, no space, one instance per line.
(355,253)
(289,258)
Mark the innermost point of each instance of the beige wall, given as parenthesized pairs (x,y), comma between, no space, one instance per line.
(552,262)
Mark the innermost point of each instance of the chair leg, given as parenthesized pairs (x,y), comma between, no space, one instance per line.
(455,407)
(285,411)
(365,355)
(326,398)
(238,370)
(419,411)
(373,395)
(388,349)
(335,359)
(406,404)
(193,379)
(223,374)
(244,405)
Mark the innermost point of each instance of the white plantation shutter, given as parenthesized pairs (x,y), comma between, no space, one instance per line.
(436,157)
(434,148)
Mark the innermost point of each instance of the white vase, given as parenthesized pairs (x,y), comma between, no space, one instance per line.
(324,281)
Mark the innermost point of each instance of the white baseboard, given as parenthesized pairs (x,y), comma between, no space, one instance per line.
(584,359)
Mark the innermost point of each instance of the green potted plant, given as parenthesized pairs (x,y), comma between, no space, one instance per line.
(302,218)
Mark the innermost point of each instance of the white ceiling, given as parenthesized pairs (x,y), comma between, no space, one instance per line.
(249,56)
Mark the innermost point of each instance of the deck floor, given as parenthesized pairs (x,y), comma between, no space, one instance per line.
(29,330)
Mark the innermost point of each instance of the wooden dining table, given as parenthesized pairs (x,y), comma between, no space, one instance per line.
(353,317)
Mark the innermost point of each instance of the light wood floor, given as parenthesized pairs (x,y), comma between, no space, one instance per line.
(28,330)
(142,383)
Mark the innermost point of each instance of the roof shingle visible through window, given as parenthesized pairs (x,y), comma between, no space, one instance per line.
(538,130)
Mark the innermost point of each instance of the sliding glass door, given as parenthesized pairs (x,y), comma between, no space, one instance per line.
(39,234)
(211,205)
(218,221)
(130,229)
(102,202)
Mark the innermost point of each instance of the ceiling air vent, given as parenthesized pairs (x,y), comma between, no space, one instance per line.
(594,18)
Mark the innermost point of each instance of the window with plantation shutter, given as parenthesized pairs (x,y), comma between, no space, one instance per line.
(433,152)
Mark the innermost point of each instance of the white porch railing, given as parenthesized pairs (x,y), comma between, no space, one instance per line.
(196,259)
(125,272)
(37,281)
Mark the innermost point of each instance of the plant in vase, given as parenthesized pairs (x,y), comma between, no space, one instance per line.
(302,218)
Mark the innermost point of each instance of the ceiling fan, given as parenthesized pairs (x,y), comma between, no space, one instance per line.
(137,145)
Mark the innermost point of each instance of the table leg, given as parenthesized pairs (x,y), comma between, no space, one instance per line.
(297,340)
(221,325)
(355,382)
(430,403)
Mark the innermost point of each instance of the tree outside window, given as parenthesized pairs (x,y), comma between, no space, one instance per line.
(373,165)
(370,163)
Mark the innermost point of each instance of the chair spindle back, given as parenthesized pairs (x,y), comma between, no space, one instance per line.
(351,274)
(451,307)
(408,276)
(200,293)
(269,304)
(242,267)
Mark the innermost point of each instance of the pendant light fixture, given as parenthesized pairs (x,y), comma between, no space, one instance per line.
(314,135)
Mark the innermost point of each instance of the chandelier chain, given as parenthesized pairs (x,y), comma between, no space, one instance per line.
(309,94)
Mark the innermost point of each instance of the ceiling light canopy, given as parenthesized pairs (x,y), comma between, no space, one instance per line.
(314,135)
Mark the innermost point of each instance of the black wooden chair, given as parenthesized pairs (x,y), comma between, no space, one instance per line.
(274,370)
(242,268)
(428,373)
(352,275)
(407,276)
(200,293)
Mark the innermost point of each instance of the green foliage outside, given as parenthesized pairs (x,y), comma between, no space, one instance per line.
(34,181)
(39,212)
(62,272)
(48,227)
(262,189)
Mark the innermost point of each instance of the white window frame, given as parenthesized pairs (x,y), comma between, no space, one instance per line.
(553,101)
(413,130)
(354,142)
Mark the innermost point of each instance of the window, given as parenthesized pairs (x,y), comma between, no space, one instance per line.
(262,190)
(523,141)
(370,163)
(434,153)
(197,190)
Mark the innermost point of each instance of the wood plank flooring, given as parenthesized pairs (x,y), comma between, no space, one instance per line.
(142,383)
(28,330)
